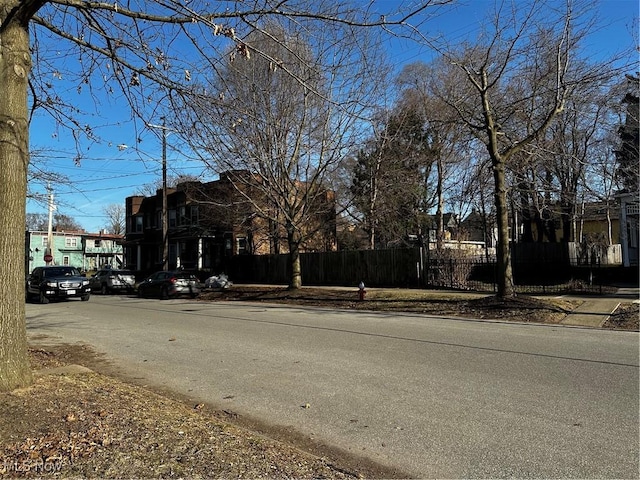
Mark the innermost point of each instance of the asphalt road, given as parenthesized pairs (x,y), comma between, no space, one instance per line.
(435,397)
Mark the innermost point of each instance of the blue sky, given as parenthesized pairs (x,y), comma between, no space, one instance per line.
(109,173)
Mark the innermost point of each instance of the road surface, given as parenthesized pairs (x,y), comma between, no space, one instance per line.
(434,397)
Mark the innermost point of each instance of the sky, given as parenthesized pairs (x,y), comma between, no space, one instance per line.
(119,166)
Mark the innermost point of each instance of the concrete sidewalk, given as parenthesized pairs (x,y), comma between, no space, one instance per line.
(595,311)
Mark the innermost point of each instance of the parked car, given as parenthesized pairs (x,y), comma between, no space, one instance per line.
(220,281)
(169,284)
(57,282)
(110,280)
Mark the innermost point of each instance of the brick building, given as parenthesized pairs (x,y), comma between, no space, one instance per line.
(208,223)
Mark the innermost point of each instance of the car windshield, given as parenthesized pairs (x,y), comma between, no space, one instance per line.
(61,272)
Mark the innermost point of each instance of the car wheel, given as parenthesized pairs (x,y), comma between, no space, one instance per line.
(104,290)
(42,298)
(85,298)
(164,293)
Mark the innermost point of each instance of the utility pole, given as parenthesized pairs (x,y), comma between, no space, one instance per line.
(48,252)
(165,222)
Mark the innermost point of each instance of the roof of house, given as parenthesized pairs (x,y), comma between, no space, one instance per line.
(79,233)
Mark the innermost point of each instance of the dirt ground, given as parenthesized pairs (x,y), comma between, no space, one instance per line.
(624,318)
(88,425)
(91,425)
(522,308)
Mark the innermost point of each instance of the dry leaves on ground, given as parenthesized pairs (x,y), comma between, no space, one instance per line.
(93,426)
(523,308)
(626,317)
(455,304)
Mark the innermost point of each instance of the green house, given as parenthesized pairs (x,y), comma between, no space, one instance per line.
(86,251)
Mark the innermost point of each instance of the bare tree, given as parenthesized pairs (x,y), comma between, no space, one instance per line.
(41,173)
(278,125)
(365,171)
(512,86)
(60,222)
(36,222)
(573,141)
(418,83)
(116,218)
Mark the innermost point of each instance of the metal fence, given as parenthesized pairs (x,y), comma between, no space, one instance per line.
(528,277)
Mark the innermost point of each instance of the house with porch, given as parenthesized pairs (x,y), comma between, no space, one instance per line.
(208,223)
(86,251)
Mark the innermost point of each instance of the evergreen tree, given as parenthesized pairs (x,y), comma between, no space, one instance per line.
(391,179)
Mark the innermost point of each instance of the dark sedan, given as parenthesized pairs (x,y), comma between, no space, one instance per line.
(165,285)
(57,282)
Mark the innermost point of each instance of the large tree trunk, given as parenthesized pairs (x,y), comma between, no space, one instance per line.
(503,253)
(15,64)
(372,211)
(293,239)
(440,207)
(567,213)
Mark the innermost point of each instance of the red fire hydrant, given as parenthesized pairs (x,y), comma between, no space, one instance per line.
(361,291)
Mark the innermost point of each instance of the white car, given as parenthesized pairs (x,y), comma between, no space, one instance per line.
(109,280)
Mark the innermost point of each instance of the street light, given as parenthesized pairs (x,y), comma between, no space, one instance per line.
(165,227)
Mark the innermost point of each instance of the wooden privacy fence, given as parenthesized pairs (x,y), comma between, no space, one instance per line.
(383,268)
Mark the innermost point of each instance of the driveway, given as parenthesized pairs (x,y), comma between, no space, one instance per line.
(435,397)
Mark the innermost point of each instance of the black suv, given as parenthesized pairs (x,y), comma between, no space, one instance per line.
(57,282)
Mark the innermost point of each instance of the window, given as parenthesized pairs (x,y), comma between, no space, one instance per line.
(194,215)
(45,241)
(70,242)
(172,218)
(139,220)
(182,216)
(97,243)
(242,245)
(65,260)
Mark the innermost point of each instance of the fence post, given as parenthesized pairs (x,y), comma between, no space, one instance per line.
(599,275)
(495,274)
(450,273)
